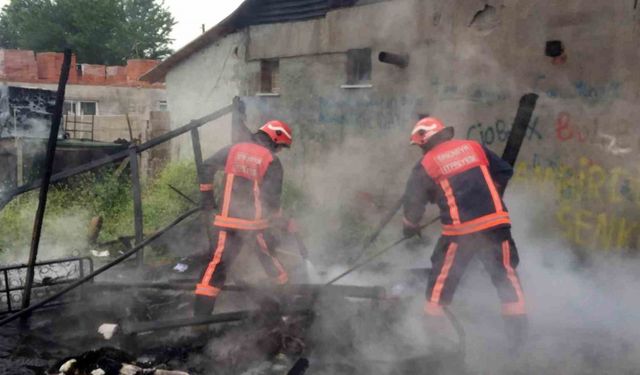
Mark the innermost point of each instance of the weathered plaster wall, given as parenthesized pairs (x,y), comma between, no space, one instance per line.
(470,61)
(204,83)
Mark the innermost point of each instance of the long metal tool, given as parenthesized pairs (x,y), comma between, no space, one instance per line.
(183,195)
(46,178)
(381,225)
(377,254)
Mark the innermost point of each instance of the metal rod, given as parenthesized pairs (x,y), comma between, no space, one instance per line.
(46,179)
(197,153)
(8,289)
(381,225)
(183,195)
(376,255)
(118,155)
(371,292)
(100,270)
(137,202)
(133,328)
(192,125)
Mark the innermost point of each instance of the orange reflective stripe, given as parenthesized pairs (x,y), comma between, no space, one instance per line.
(497,202)
(451,201)
(433,309)
(217,257)
(283,277)
(228,187)
(444,272)
(207,290)
(235,223)
(256,199)
(206,187)
(476,225)
(514,308)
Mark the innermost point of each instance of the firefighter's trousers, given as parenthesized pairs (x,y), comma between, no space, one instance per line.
(497,251)
(226,245)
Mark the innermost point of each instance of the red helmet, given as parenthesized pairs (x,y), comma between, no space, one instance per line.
(279,132)
(425,129)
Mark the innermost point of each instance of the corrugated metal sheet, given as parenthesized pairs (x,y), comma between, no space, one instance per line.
(273,11)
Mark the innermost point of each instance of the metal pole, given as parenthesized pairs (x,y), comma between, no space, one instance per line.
(197,152)
(137,202)
(48,168)
(8,290)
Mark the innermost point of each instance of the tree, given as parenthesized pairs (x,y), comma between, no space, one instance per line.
(99,31)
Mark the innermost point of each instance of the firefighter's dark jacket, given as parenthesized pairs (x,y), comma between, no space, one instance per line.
(242,203)
(466,196)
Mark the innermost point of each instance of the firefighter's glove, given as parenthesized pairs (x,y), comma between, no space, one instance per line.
(208,202)
(409,229)
(206,197)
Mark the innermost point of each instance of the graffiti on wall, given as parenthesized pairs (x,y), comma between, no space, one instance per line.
(589,92)
(379,112)
(488,134)
(596,206)
(475,92)
(616,140)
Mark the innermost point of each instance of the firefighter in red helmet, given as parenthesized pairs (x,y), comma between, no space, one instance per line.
(465,180)
(250,204)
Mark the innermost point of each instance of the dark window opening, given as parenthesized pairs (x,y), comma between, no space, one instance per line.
(69,107)
(269,72)
(88,108)
(358,66)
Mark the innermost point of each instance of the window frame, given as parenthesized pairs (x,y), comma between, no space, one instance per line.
(359,67)
(269,77)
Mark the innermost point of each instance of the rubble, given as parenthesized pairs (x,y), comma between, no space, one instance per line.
(105,361)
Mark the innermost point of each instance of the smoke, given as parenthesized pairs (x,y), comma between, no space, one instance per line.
(583,316)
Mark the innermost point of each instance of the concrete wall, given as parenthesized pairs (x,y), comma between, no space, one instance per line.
(470,61)
(203,84)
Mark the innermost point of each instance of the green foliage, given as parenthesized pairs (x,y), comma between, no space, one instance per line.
(160,203)
(99,31)
(71,205)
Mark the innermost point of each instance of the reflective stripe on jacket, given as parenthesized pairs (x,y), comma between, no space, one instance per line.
(242,205)
(460,177)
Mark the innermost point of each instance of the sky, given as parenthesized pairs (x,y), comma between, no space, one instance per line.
(190,15)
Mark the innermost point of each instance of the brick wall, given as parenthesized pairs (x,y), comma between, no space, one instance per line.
(44,67)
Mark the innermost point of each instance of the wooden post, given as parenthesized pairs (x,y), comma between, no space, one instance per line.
(46,178)
(137,201)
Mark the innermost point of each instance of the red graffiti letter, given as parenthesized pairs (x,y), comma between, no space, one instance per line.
(563,127)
